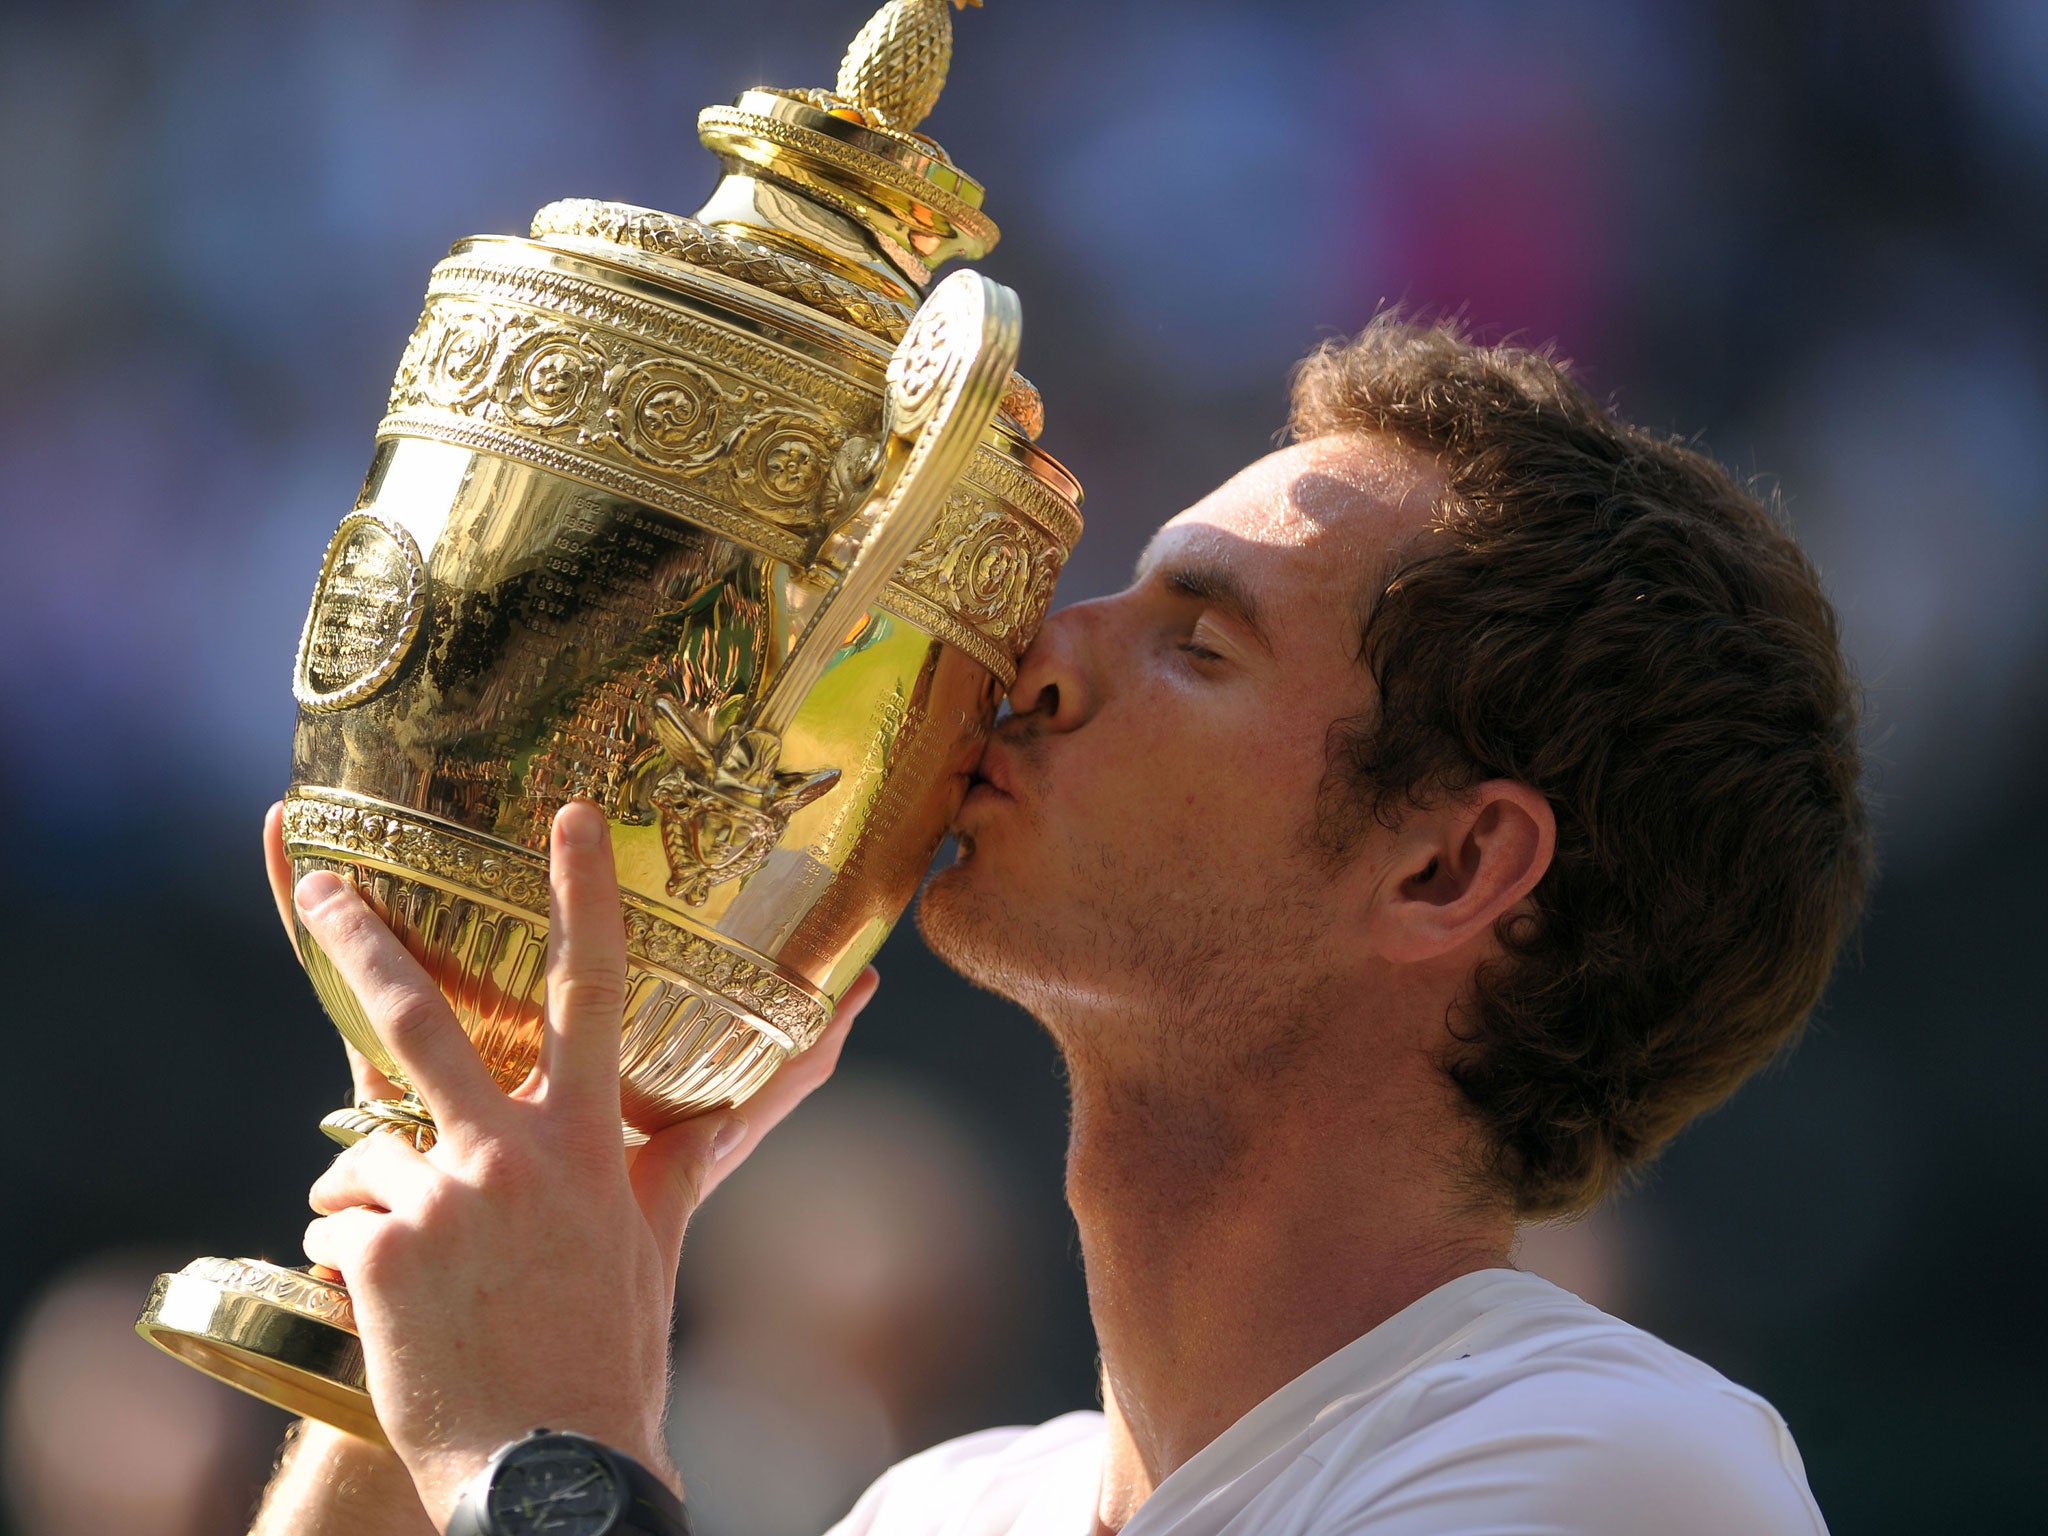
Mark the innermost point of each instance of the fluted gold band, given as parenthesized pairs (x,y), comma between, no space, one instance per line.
(351,827)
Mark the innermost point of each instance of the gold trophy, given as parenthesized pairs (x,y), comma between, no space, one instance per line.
(733,524)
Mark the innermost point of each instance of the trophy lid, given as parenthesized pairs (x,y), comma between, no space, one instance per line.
(831,199)
(856,148)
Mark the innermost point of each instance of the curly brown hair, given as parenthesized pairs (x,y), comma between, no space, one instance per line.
(1609,617)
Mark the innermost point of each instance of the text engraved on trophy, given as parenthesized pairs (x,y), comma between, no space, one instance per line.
(902,762)
(600,572)
(365,614)
(697,632)
(301,1292)
(892,829)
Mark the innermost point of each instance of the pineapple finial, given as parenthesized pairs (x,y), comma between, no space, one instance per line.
(895,69)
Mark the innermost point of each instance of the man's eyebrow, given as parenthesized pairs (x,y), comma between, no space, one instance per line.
(1211,581)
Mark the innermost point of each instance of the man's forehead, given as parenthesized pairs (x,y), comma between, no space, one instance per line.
(1359,494)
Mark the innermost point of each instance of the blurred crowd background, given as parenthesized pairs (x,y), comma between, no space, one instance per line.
(1810,233)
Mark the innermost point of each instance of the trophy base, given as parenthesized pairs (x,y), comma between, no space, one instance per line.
(284,1335)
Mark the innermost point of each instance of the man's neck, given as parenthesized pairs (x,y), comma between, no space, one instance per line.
(1234,1239)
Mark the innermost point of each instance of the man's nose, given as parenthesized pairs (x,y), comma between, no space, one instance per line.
(1055,688)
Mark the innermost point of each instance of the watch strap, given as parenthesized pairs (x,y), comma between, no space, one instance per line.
(652,1508)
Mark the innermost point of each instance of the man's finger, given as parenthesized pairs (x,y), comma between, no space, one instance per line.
(369,1082)
(678,1167)
(586,963)
(803,1074)
(278,865)
(670,1182)
(401,1002)
(381,1171)
(337,1241)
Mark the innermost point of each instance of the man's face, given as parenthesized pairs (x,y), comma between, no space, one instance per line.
(1140,843)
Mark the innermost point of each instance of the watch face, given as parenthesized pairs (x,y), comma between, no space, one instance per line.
(554,1487)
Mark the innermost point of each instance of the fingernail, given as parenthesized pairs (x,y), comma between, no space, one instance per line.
(580,824)
(317,889)
(732,1130)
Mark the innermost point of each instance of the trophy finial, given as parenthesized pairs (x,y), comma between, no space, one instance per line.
(894,70)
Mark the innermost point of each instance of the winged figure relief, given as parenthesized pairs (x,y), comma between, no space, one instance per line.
(724,805)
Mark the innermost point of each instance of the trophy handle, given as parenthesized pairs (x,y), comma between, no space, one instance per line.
(725,804)
(946,380)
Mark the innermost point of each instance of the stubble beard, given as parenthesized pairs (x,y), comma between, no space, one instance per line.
(1182,1039)
(978,932)
(1133,985)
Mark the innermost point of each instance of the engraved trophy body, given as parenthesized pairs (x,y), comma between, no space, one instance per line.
(722,522)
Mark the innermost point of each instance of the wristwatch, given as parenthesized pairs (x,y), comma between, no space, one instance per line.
(558,1483)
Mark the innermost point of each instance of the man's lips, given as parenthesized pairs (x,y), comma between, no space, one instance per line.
(992,773)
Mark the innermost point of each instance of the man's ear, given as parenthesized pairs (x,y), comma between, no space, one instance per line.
(1463,865)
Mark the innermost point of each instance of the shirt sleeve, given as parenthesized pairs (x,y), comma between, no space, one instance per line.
(1543,1458)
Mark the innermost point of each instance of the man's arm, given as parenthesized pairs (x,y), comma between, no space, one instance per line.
(327,1481)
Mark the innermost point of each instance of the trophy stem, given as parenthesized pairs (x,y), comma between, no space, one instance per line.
(406,1116)
(285,1335)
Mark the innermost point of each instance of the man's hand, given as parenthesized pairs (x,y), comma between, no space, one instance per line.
(522,1271)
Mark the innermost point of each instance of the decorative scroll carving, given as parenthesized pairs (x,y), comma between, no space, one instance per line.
(1029,496)
(987,568)
(487,278)
(712,249)
(593,393)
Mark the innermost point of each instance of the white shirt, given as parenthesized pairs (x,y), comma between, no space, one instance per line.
(1497,1405)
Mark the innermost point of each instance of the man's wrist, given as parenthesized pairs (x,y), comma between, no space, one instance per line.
(558,1480)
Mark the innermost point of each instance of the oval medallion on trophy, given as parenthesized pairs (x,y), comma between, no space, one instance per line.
(365,616)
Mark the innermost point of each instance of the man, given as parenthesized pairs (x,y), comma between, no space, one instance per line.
(1457,802)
